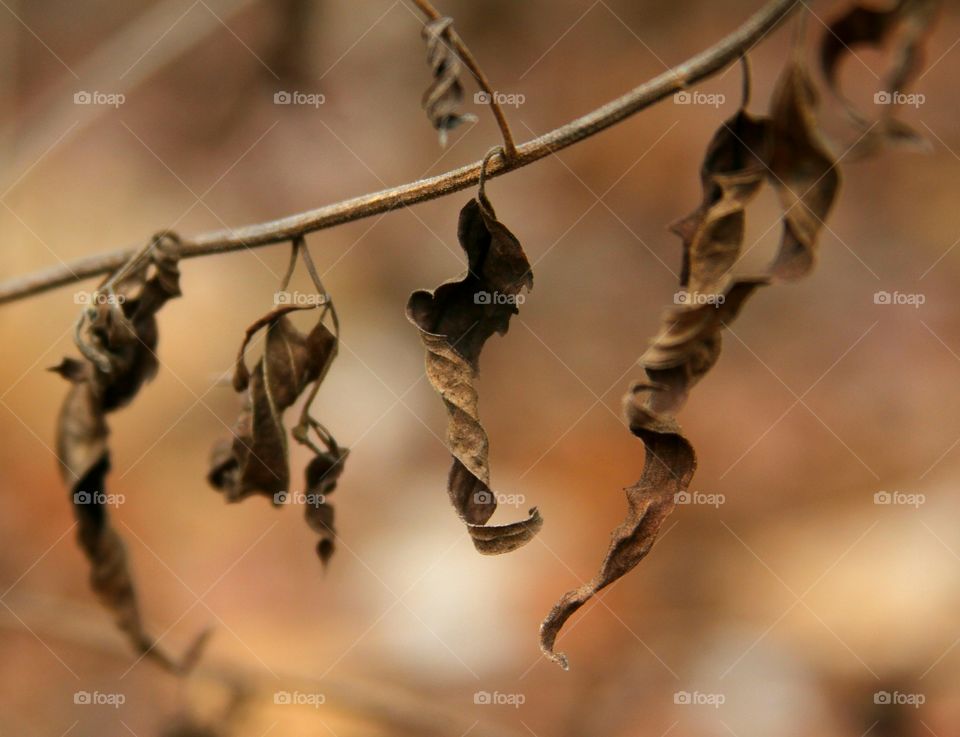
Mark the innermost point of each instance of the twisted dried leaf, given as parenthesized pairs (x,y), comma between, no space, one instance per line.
(117,334)
(256,459)
(455,321)
(443,97)
(906,23)
(785,150)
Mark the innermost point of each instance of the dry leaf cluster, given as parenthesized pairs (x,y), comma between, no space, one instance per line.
(117,336)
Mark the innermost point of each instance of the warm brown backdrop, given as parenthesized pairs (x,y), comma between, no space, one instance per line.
(797,599)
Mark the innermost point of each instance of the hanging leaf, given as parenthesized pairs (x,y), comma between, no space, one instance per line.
(802,171)
(668,469)
(444,96)
(785,150)
(455,322)
(907,24)
(117,333)
(256,459)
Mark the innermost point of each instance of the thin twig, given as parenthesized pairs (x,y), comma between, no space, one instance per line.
(463,52)
(692,71)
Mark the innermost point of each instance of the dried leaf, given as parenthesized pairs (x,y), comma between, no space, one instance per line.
(802,172)
(322,474)
(117,334)
(256,460)
(443,97)
(786,150)
(906,23)
(454,322)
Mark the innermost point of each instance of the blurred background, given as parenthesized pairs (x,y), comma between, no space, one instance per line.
(791,600)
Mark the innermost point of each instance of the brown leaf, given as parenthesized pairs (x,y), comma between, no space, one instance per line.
(322,474)
(117,334)
(802,171)
(444,96)
(785,150)
(670,463)
(454,322)
(256,460)
(907,23)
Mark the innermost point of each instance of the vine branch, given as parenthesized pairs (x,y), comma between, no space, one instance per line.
(694,70)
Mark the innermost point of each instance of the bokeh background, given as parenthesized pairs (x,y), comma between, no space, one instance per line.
(794,602)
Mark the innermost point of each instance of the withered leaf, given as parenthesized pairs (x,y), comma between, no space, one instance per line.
(784,149)
(321,475)
(117,334)
(669,467)
(443,97)
(455,321)
(256,459)
(906,23)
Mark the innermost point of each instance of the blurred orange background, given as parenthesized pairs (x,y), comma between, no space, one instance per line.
(797,602)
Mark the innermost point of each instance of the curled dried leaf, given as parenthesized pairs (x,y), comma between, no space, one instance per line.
(455,321)
(117,333)
(784,149)
(907,24)
(256,459)
(444,96)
